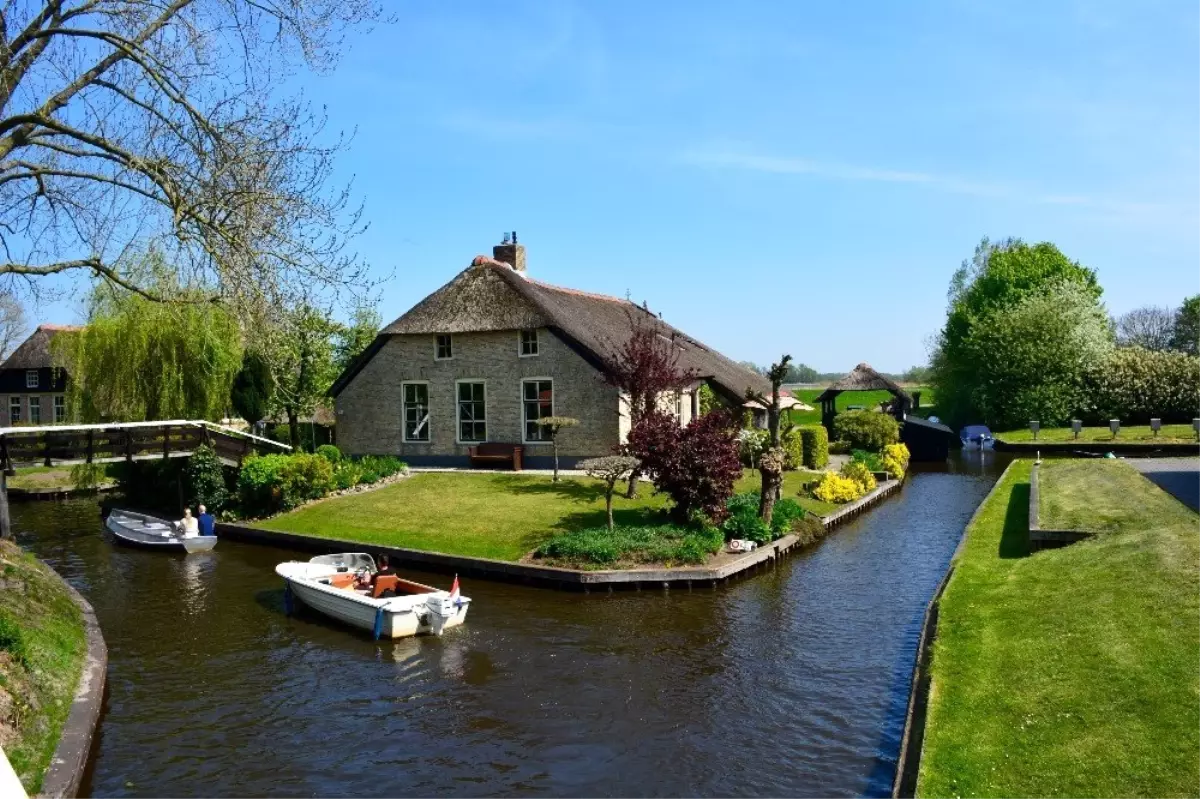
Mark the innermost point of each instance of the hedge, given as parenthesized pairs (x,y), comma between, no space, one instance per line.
(814,439)
(866,429)
(1135,384)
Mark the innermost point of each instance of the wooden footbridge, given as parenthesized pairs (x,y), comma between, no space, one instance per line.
(113,443)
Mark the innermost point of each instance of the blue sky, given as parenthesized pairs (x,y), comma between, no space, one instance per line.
(796,177)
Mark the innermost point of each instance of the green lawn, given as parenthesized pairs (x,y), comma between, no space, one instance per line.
(1075,671)
(1141,433)
(41,478)
(42,646)
(485,515)
(867,399)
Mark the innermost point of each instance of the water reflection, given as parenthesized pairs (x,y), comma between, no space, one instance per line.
(789,683)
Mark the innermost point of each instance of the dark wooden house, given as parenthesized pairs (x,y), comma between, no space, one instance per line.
(32,388)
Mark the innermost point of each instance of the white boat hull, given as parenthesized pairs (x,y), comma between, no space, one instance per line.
(151,532)
(431,612)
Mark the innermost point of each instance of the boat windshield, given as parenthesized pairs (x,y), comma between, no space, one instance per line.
(352,561)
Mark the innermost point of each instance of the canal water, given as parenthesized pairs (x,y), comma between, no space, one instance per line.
(789,683)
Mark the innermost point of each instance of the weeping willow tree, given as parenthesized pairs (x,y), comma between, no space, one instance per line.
(140,360)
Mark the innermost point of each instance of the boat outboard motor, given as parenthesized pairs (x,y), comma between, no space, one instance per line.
(441,610)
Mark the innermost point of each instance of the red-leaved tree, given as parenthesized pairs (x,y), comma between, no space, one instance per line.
(696,465)
(645,366)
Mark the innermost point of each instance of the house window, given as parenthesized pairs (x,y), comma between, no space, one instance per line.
(416,411)
(538,400)
(472,412)
(445,348)
(679,408)
(35,410)
(31,378)
(14,410)
(60,409)
(529,343)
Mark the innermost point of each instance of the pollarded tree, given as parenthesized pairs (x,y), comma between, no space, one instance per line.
(772,462)
(610,469)
(128,124)
(643,368)
(555,425)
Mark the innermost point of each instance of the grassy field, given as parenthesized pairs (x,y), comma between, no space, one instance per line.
(42,646)
(1072,672)
(486,515)
(34,478)
(867,399)
(1170,433)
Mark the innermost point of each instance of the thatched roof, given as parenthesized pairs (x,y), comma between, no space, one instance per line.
(34,352)
(786,402)
(863,378)
(489,296)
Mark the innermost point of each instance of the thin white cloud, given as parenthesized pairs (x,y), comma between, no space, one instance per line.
(783,165)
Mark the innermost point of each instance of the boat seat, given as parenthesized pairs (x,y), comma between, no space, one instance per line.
(341,580)
(382,583)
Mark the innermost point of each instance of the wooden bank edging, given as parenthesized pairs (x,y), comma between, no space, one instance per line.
(46,494)
(1149,448)
(1039,537)
(65,773)
(908,764)
(556,577)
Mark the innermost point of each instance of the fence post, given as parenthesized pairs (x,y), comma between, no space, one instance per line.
(90,444)
(166,440)
(128,445)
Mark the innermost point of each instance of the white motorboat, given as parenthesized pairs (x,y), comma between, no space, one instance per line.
(141,530)
(976,436)
(347,587)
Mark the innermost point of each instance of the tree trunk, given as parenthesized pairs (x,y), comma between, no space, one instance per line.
(293,428)
(631,492)
(554,444)
(770,466)
(607,506)
(5,522)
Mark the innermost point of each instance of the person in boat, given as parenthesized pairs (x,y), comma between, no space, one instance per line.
(205,521)
(188,524)
(367,581)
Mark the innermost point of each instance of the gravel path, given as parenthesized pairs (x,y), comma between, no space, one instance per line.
(1177,476)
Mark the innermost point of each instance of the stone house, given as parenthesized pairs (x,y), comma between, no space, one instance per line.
(32,388)
(487,355)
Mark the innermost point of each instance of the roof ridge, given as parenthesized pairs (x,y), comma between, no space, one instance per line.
(482,260)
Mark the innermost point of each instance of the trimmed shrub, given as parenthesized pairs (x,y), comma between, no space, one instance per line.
(814,443)
(860,473)
(696,465)
(866,429)
(793,448)
(895,460)
(837,489)
(304,477)
(747,525)
(205,478)
(347,474)
(1135,384)
(330,453)
(272,483)
(377,467)
(785,514)
(808,528)
(599,546)
(872,460)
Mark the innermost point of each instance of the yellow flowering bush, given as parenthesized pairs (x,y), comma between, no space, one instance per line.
(837,489)
(894,459)
(860,473)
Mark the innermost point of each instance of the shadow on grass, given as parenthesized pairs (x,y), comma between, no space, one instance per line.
(574,490)
(1014,543)
(622,517)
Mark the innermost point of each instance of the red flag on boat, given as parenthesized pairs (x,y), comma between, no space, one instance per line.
(454,589)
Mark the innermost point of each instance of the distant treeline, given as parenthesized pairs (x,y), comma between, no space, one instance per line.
(803,373)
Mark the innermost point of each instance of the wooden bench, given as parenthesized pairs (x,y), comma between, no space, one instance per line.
(489,454)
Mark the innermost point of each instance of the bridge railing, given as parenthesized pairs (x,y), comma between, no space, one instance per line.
(106,443)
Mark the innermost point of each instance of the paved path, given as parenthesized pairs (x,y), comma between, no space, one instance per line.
(1177,476)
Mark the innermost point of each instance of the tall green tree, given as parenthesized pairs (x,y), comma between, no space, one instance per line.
(140,360)
(253,388)
(352,339)
(1186,335)
(303,363)
(1000,276)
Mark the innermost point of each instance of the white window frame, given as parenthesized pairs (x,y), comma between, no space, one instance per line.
(428,412)
(458,439)
(31,378)
(524,421)
(35,402)
(537,343)
(437,349)
(15,402)
(60,403)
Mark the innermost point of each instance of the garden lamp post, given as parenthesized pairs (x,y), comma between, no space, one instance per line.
(1155,424)
(1034,427)
(1115,426)
(1076,426)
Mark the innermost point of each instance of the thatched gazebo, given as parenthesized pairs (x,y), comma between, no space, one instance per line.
(863,378)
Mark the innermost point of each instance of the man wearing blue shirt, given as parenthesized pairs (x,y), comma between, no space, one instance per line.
(206,521)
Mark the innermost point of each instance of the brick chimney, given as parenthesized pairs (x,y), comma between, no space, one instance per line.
(510,252)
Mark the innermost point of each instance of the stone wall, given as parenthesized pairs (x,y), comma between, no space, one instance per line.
(370,408)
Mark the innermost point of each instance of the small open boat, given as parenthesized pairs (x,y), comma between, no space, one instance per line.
(976,436)
(347,587)
(141,530)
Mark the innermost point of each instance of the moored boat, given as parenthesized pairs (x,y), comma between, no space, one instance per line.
(348,587)
(142,530)
(976,436)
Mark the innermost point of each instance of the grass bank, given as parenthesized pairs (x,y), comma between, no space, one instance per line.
(487,514)
(42,649)
(1169,434)
(1072,672)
